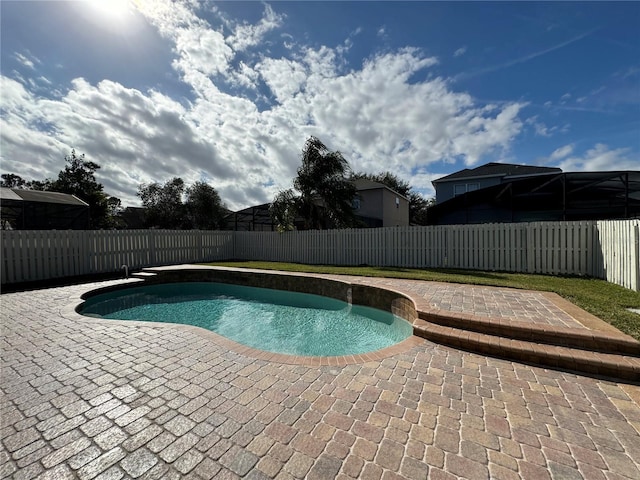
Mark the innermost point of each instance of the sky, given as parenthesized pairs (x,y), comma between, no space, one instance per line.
(228,92)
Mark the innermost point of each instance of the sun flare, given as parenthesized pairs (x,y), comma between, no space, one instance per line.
(112,10)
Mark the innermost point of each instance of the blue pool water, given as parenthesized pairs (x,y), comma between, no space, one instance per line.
(273,320)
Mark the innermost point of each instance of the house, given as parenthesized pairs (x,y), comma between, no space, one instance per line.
(502,193)
(488,175)
(36,210)
(375,205)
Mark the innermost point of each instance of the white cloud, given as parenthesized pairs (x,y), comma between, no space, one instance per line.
(246,35)
(203,50)
(130,134)
(379,115)
(24,61)
(561,152)
(284,77)
(461,51)
(542,130)
(632,71)
(421,182)
(599,158)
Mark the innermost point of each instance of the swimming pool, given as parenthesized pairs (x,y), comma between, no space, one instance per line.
(278,321)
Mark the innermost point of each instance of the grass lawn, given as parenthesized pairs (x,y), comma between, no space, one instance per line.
(602,299)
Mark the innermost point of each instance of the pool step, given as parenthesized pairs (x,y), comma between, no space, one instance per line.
(143,275)
(609,363)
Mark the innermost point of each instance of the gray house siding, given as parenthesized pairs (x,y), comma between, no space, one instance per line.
(484,176)
(395,211)
(379,206)
(446,191)
(369,203)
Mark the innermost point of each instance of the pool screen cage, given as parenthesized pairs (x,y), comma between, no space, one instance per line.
(36,210)
(570,196)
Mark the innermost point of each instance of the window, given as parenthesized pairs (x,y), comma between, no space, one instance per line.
(463,188)
(459,189)
(355,203)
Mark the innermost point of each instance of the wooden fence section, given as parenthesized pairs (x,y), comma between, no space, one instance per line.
(602,249)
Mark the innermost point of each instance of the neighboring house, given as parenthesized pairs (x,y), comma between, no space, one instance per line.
(533,195)
(37,210)
(484,176)
(375,205)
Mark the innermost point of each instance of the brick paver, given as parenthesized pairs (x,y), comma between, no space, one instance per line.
(86,398)
(518,305)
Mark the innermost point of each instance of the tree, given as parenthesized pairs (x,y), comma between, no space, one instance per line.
(284,210)
(163,204)
(204,208)
(78,178)
(325,194)
(114,211)
(10,180)
(418,205)
(419,208)
(45,185)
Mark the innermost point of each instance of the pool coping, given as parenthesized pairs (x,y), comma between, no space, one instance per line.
(70,312)
(591,347)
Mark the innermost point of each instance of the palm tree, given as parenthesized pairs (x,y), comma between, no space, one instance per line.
(325,194)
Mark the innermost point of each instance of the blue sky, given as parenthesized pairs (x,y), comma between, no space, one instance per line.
(228,92)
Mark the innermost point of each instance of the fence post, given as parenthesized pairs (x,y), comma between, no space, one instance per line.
(636,229)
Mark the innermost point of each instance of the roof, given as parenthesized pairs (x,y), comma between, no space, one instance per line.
(495,169)
(250,210)
(8,194)
(557,196)
(362,184)
(17,194)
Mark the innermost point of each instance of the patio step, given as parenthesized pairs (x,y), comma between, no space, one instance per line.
(610,364)
(580,338)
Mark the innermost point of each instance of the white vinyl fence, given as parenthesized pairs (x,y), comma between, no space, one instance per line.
(618,253)
(29,255)
(602,249)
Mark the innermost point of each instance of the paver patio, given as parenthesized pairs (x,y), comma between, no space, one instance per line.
(87,398)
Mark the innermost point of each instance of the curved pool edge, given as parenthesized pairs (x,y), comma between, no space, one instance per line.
(382,298)
(486,335)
